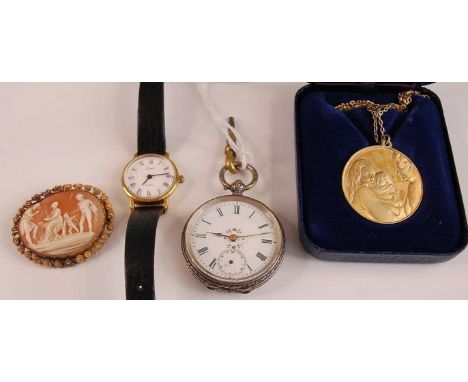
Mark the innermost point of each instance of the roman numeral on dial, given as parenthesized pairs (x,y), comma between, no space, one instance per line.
(267,241)
(261,256)
(262,226)
(236,209)
(212,264)
(220,212)
(201,235)
(203,250)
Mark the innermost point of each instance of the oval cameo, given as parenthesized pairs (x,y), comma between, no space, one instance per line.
(63,226)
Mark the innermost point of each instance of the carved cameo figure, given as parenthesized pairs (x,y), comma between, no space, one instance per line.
(63,226)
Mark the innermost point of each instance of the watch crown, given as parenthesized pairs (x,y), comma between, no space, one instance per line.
(181,179)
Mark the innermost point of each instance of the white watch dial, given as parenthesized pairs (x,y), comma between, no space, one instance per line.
(234,239)
(149,176)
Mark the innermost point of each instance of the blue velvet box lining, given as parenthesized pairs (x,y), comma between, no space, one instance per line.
(326,139)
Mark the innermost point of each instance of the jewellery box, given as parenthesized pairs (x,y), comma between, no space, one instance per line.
(326,138)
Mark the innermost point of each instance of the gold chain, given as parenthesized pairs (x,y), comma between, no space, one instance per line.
(378,110)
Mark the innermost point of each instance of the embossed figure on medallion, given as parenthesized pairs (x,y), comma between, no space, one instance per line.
(382,184)
(50,227)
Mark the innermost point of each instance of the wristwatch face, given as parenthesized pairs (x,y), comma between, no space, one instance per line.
(149,177)
(233,239)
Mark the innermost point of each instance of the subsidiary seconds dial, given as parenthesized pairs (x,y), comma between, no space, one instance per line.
(233,243)
(150,177)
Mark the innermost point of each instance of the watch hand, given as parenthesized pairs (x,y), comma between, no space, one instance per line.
(234,237)
(147,178)
(256,234)
(218,234)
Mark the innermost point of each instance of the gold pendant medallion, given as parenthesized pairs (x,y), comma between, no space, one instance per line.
(382,184)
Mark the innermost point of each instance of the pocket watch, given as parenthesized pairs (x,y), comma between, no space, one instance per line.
(233,243)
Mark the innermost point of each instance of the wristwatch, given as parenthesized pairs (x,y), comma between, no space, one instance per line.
(148,180)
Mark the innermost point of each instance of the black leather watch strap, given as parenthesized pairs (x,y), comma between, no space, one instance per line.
(141,228)
(151,135)
(139,252)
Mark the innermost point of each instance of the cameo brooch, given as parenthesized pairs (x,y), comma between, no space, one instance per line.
(63,226)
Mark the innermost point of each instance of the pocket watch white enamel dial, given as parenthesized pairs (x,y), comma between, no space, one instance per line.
(233,243)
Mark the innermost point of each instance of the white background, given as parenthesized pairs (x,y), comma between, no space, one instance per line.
(85,132)
(209,40)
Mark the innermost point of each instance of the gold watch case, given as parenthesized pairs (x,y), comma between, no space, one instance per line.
(161,199)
